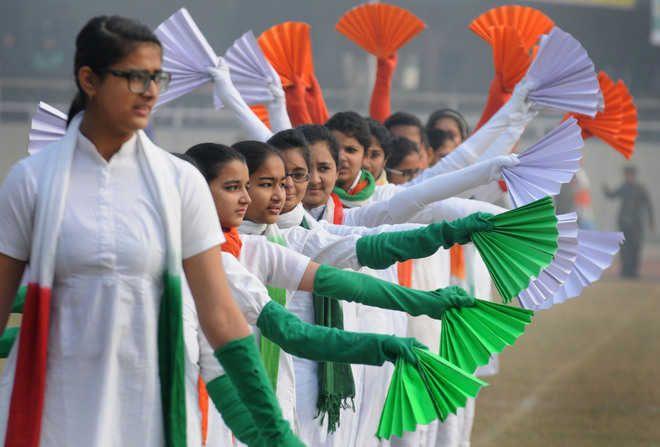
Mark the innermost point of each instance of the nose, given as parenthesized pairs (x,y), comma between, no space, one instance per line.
(288,183)
(314,177)
(342,155)
(245,198)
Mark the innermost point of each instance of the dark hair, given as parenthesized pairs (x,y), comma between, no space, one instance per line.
(256,153)
(184,157)
(401,148)
(315,132)
(381,134)
(405,119)
(451,114)
(291,139)
(209,158)
(102,42)
(437,138)
(353,125)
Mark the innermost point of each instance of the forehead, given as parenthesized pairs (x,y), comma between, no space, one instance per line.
(271,167)
(345,140)
(321,151)
(234,170)
(143,56)
(375,145)
(294,158)
(447,123)
(413,133)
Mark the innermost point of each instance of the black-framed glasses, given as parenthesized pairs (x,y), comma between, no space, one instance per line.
(139,80)
(405,173)
(299,177)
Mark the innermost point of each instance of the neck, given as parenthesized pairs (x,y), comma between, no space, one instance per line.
(348,185)
(106,140)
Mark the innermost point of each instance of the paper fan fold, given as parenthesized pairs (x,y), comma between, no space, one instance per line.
(616,124)
(379,28)
(288,48)
(551,278)
(250,71)
(186,54)
(510,59)
(469,336)
(523,242)
(596,250)
(262,113)
(546,165)
(530,23)
(419,394)
(48,125)
(562,75)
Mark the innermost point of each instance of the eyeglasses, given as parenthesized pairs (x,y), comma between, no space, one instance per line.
(405,173)
(139,80)
(298,177)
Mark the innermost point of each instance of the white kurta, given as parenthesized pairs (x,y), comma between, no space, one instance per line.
(102,383)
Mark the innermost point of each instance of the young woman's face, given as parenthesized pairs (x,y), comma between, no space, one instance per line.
(374,160)
(414,134)
(450,126)
(298,178)
(267,191)
(406,170)
(230,193)
(323,176)
(109,95)
(351,154)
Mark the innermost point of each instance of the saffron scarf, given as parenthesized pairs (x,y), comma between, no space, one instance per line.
(359,194)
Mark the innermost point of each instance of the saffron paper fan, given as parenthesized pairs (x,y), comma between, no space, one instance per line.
(48,125)
(545,166)
(557,273)
(522,242)
(529,22)
(250,71)
(596,250)
(628,132)
(186,54)
(562,76)
(379,28)
(469,336)
(288,48)
(510,59)
(419,394)
(262,113)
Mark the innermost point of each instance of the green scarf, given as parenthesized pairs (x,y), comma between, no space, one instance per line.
(363,191)
(335,380)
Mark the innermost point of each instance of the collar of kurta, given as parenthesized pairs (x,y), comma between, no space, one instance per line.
(29,387)
(359,193)
(292,218)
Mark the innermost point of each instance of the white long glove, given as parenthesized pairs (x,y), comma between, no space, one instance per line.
(407,202)
(232,100)
(279,118)
(511,120)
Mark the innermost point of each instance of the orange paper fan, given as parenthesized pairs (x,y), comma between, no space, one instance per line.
(262,113)
(288,48)
(617,123)
(379,28)
(529,22)
(510,58)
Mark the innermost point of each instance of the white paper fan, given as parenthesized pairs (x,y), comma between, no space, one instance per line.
(186,54)
(596,250)
(545,166)
(562,76)
(250,71)
(48,125)
(551,278)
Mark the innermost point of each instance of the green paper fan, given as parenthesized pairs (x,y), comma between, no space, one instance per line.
(470,335)
(522,242)
(419,394)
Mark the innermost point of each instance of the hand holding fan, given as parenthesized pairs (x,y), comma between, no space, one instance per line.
(530,23)
(616,124)
(419,394)
(562,76)
(546,165)
(379,28)
(522,242)
(48,125)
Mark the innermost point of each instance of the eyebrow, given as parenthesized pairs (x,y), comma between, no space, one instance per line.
(266,178)
(231,181)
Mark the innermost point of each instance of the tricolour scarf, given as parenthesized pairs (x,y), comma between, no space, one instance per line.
(29,387)
(359,193)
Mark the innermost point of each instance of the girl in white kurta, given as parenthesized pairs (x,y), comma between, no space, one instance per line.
(100,216)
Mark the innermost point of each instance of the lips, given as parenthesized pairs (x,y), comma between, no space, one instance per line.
(241,211)
(274,209)
(142,110)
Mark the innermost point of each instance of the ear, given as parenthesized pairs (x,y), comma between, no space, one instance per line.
(88,81)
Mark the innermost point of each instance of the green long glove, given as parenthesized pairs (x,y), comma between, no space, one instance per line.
(379,251)
(240,360)
(365,289)
(325,344)
(7,341)
(19,301)
(236,415)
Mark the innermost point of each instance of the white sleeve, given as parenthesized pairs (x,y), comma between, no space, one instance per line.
(275,265)
(345,230)
(323,247)
(200,226)
(456,208)
(249,293)
(18,195)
